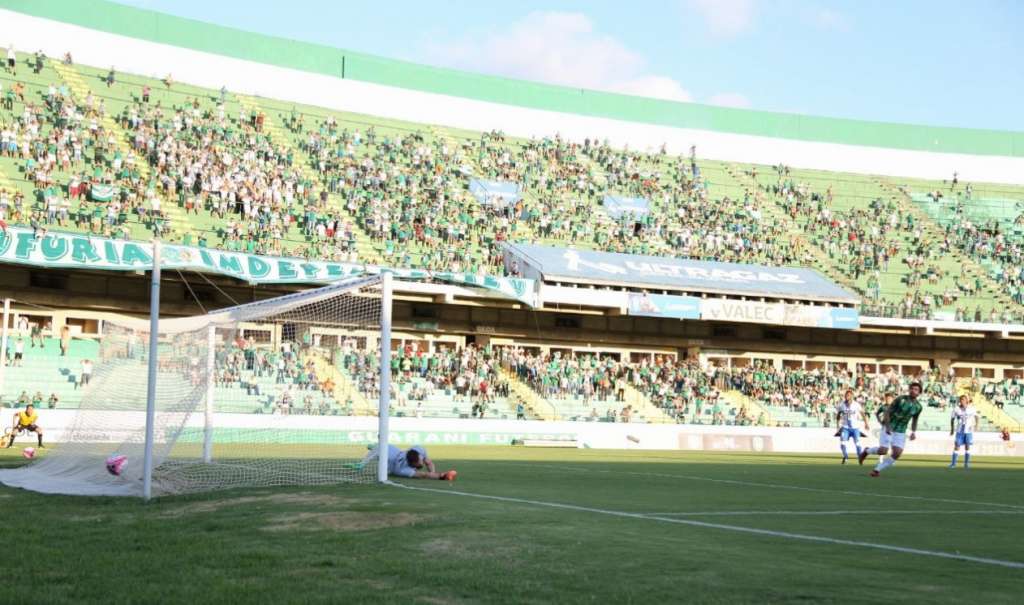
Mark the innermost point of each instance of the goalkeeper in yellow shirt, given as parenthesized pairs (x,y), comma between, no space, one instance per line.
(27,421)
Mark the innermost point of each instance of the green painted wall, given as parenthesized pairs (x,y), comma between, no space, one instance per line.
(196,35)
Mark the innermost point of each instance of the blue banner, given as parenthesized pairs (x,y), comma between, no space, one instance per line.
(662,305)
(617,206)
(661,273)
(494,193)
(842,319)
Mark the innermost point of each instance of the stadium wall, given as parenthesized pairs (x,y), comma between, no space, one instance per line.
(149,43)
(597,435)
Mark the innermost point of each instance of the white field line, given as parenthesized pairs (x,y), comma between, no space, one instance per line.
(825,513)
(733,528)
(801,488)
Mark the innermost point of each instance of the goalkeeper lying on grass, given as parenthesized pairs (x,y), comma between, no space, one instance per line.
(412,463)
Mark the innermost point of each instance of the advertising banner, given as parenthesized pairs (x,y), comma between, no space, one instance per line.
(809,316)
(552,264)
(238,428)
(75,251)
(661,305)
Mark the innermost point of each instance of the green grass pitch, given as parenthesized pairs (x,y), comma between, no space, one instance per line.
(566,526)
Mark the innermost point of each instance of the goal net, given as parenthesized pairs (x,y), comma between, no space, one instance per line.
(263,394)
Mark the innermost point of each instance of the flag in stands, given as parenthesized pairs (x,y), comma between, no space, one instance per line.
(103,192)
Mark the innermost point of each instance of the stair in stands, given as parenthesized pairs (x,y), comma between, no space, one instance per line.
(7,185)
(344,388)
(932,230)
(738,400)
(797,234)
(46,371)
(644,408)
(988,409)
(364,245)
(537,405)
(80,89)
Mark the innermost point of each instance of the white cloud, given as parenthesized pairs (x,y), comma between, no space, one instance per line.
(658,87)
(730,99)
(725,18)
(557,48)
(828,19)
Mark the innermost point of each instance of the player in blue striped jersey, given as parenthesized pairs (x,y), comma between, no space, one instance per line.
(963,421)
(849,415)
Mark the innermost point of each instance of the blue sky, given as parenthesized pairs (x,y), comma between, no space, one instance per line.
(925,62)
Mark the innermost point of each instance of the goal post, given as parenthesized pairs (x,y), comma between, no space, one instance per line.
(211,358)
(384,405)
(151,375)
(3,343)
(269,393)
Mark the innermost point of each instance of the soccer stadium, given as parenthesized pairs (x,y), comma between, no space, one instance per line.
(649,350)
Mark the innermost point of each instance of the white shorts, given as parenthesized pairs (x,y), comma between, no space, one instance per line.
(892,439)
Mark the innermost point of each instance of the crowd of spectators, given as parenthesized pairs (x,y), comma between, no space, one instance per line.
(1009,391)
(815,392)
(296,387)
(877,241)
(205,160)
(692,392)
(242,188)
(680,389)
(995,242)
(469,375)
(286,380)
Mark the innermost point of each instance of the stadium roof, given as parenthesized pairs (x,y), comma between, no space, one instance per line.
(545,263)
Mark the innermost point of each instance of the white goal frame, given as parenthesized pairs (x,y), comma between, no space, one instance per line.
(383,405)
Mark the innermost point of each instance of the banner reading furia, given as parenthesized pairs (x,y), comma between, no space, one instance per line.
(73,251)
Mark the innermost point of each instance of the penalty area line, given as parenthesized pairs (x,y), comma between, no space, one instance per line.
(733,528)
(800,488)
(742,513)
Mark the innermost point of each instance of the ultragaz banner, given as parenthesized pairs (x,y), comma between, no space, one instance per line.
(660,273)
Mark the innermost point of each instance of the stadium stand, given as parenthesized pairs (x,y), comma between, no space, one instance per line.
(309,378)
(446,383)
(1005,395)
(44,376)
(92,150)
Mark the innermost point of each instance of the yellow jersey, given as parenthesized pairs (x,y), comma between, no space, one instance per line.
(26,420)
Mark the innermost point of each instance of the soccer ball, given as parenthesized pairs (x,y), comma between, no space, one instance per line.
(29,452)
(115,464)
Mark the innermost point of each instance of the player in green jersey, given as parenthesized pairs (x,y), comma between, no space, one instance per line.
(904,410)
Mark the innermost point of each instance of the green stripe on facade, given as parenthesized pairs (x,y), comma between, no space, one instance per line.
(315,58)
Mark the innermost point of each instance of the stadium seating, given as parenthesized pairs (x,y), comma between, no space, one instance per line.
(448,384)
(213,168)
(1008,396)
(461,383)
(327,184)
(44,373)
